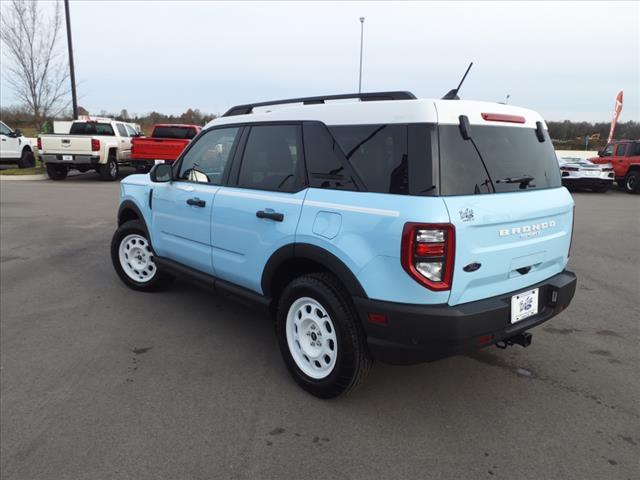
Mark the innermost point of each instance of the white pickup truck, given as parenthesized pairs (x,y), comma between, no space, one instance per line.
(16,148)
(101,144)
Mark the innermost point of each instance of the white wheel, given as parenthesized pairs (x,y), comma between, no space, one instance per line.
(311,337)
(136,258)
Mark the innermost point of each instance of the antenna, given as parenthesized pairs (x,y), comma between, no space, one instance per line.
(453,94)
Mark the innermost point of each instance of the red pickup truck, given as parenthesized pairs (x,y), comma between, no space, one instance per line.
(165,143)
(624,155)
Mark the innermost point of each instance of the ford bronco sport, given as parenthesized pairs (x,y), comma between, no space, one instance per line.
(385,226)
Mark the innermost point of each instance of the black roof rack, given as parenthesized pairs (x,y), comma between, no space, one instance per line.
(365,97)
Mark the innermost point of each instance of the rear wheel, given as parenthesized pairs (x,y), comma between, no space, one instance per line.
(631,181)
(109,171)
(27,160)
(320,337)
(57,171)
(132,258)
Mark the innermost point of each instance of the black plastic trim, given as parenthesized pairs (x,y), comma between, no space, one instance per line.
(424,333)
(317,254)
(212,282)
(365,97)
(130,205)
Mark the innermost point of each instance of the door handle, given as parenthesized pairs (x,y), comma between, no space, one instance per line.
(278,217)
(196,202)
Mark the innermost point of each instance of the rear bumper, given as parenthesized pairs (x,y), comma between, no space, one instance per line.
(587,182)
(424,333)
(76,159)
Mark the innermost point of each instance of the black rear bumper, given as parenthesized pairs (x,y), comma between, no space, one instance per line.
(587,182)
(424,333)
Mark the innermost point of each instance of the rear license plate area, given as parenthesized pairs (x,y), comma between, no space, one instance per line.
(524,305)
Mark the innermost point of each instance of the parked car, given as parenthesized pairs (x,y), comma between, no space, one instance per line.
(101,144)
(165,144)
(389,227)
(624,155)
(580,173)
(16,148)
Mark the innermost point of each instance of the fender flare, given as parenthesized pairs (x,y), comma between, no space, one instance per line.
(131,205)
(317,254)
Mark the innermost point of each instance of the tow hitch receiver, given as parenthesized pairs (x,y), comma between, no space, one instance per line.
(523,339)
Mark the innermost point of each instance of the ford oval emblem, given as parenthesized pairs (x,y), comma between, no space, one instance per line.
(472,267)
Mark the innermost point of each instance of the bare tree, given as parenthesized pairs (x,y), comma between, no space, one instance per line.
(34,66)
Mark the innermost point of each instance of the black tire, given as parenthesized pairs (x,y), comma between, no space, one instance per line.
(144,168)
(109,171)
(27,160)
(160,279)
(57,171)
(353,360)
(631,181)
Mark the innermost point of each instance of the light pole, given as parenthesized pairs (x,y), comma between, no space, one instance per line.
(361,42)
(72,72)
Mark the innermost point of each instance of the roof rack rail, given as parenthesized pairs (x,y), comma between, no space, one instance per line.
(365,97)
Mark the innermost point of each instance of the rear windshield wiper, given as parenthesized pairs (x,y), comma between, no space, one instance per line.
(523,180)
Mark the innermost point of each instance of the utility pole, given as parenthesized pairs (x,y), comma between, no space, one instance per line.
(72,72)
(361,42)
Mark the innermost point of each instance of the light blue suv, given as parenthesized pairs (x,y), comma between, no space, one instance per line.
(372,225)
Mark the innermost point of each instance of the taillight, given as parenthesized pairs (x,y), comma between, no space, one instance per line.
(95,145)
(427,253)
(569,169)
(39,143)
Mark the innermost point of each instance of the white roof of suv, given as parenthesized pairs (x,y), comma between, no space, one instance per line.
(353,111)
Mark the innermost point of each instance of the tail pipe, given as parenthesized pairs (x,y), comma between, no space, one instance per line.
(523,339)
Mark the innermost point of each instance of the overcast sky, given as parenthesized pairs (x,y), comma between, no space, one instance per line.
(566,60)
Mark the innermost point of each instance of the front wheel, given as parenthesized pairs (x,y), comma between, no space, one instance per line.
(109,171)
(57,171)
(632,181)
(320,337)
(132,258)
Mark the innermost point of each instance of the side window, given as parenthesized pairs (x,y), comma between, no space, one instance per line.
(131,131)
(326,165)
(607,152)
(121,130)
(207,158)
(4,130)
(270,158)
(378,154)
(622,148)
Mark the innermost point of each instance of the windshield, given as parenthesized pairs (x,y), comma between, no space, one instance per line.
(514,160)
(91,128)
(174,132)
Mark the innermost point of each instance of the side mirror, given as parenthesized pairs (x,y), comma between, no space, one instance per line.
(17,133)
(161,172)
(601,153)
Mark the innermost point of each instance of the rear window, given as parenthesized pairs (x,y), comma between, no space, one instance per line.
(634,149)
(174,132)
(507,152)
(91,128)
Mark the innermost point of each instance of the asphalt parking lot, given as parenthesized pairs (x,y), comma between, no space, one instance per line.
(99,381)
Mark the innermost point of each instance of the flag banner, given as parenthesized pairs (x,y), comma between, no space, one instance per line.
(616,114)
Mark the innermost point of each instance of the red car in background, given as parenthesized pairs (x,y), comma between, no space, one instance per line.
(624,156)
(167,141)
